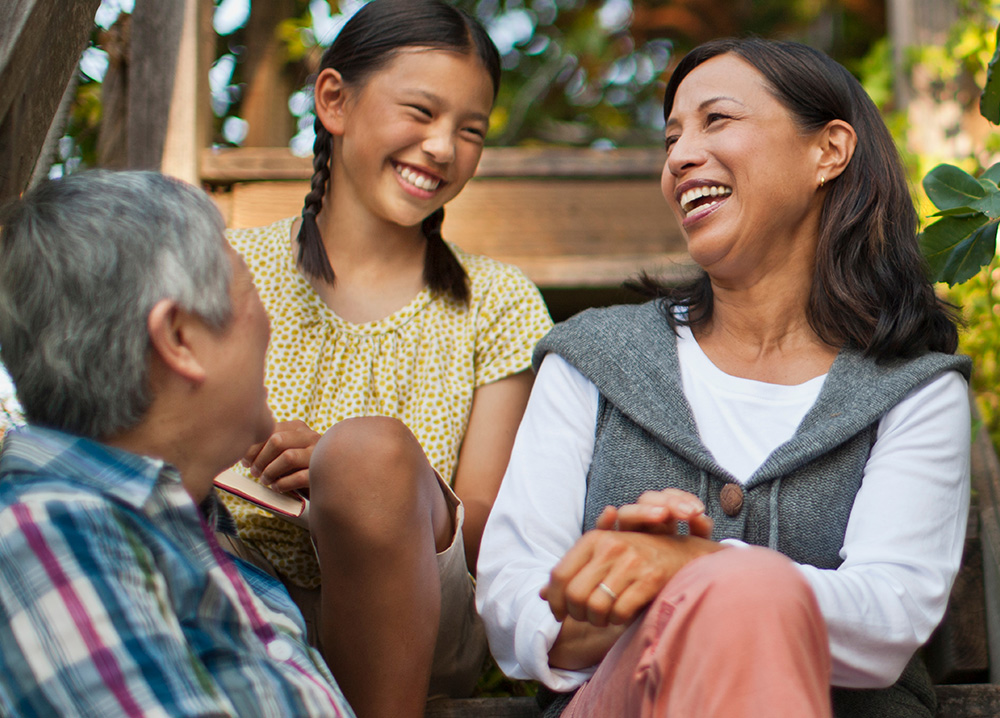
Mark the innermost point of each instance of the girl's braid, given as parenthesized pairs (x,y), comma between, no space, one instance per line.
(312,254)
(442,271)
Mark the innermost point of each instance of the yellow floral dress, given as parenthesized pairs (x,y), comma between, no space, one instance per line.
(420,365)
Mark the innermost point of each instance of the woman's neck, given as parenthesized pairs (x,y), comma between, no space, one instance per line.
(762,332)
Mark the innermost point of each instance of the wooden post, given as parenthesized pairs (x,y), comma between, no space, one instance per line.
(40,46)
(265,105)
(153,57)
(189,123)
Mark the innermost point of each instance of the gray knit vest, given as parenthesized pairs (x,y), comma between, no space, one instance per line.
(797,502)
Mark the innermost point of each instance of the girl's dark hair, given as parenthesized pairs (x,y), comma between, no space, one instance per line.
(870,289)
(368,41)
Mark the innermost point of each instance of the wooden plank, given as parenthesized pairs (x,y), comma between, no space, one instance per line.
(968,701)
(958,651)
(553,217)
(258,203)
(528,218)
(600,270)
(957,701)
(483,708)
(562,233)
(986,483)
(224,203)
(225,166)
(40,46)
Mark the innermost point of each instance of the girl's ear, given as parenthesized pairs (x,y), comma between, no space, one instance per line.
(837,142)
(173,334)
(330,96)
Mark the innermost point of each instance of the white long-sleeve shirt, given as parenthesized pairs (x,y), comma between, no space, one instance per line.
(901,550)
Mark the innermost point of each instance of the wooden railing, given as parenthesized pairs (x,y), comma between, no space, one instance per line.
(569,218)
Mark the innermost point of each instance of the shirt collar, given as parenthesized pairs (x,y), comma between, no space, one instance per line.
(128,477)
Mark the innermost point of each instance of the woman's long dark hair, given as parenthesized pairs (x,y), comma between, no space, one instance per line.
(368,41)
(870,289)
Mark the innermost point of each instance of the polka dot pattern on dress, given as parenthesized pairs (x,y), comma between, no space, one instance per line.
(420,365)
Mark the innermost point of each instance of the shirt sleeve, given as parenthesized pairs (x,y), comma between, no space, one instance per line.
(904,538)
(524,538)
(85,622)
(511,320)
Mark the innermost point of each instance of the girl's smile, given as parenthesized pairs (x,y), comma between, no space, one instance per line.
(417,181)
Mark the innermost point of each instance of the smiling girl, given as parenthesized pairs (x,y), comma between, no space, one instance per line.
(398,364)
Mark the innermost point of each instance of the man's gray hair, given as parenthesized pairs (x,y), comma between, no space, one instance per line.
(83,260)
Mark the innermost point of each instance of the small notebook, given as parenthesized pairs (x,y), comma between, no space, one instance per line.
(291,506)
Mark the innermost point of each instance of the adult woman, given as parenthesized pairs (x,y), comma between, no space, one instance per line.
(802,394)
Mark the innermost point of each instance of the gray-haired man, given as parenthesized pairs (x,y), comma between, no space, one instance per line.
(136,342)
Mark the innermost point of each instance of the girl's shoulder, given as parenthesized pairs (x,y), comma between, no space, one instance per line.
(488,276)
(263,245)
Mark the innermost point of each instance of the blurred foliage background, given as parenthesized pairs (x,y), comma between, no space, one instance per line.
(591,73)
(577,72)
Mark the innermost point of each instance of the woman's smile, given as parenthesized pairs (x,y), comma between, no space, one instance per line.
(698,199)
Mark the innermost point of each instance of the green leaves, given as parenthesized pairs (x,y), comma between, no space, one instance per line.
(956,247)
(964,237)
(949,187)
(989,101)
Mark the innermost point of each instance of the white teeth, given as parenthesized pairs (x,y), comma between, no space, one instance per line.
(698,192)
(418,180)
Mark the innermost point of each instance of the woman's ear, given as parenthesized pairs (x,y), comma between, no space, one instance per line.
(330,95)
(837,142)
(173,334)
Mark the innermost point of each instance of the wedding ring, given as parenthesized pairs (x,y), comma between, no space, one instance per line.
(607,589)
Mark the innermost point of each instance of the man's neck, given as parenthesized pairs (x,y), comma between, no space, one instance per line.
(152,438)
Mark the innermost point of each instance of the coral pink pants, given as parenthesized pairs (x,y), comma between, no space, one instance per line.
(735,634)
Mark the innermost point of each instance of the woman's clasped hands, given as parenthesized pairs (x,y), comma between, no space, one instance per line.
(615,570)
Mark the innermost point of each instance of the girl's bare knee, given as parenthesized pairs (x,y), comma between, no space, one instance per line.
(367,475)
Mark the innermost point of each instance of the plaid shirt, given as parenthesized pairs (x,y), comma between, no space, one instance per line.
(116,599)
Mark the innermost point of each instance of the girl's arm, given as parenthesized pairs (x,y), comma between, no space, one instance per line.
(510,319)
(496,412)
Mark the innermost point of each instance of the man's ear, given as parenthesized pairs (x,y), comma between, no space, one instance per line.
(837,142)
(330,95)
(174,335)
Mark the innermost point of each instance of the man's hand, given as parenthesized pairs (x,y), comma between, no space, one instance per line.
(282,462)
(657,512)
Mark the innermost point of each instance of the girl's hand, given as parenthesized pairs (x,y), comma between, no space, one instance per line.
(657,512)
(610,576)
(282,462)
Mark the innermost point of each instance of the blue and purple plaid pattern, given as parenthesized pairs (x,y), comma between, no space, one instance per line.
(115,598)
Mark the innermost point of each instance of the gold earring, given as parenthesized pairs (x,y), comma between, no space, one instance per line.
(822,181)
